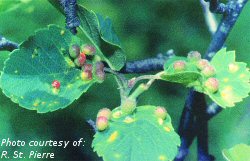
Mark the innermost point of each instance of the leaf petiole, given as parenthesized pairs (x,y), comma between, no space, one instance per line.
(144,87)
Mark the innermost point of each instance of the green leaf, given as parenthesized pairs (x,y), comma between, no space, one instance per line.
(101,34)
(233,79)
(240,152)
(30,70)
(107,32)
(138,137)
(186,77)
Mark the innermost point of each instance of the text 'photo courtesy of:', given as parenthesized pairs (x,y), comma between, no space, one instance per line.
(108,80)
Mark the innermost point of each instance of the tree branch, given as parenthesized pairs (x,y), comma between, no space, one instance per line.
(199,127)
(7,45)
(234,8)
(92,124)
(147,65)
(70,10)
(217,7)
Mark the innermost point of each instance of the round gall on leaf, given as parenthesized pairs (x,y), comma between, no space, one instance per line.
(56,84)
(212,85)
(117,114)
(99,66)
(100,75)
(161,112)
(88,49)
(100,70)
(208,71)
(128,106)
(87,67)
(194,56)
(101,123)
(179,65)
(201,64)
(74,51)
(105,112)
(84,76)
(80,60)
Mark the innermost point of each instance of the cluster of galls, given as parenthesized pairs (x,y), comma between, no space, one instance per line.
(80,56)
(207,70)
(104,115)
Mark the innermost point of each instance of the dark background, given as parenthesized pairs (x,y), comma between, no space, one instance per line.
(145,28)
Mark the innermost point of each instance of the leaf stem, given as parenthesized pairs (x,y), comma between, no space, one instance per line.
(121,81)
(144,87)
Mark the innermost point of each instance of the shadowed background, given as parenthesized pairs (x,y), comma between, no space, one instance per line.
(145,28)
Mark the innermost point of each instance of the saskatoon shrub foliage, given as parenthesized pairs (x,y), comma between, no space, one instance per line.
(55,67)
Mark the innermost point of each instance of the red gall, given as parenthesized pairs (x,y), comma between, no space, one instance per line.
(179,65)
(105,112)
(56,84)
(101,123)
(212,85)
(161,112)
(201,64)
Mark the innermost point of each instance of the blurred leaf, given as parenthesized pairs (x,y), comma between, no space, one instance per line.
(9,5)
(57,5)
(138,137)
(233,79)
(107,32)
(29,72)
(240,152)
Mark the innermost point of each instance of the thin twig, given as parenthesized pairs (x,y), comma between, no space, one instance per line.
(147,65)
(7,45)
(92,124)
